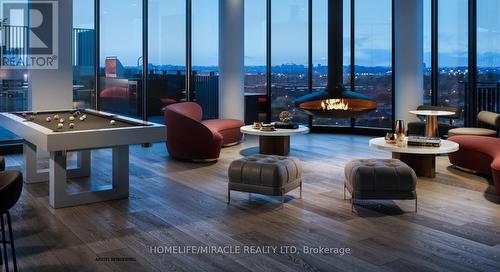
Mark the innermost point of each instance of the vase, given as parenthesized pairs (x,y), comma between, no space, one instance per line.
(400,132)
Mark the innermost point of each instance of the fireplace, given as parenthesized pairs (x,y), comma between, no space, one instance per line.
(335,101)
(339,103)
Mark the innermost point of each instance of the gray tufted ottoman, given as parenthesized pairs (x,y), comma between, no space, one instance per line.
(380,179)
(265,174)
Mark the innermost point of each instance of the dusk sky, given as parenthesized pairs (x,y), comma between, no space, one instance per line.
(121,30)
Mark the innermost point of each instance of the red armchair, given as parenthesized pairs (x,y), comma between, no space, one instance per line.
(190,138)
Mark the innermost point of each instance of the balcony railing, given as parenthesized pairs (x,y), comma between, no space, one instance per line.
(83,47)
(14,40)
(206,93)
(13,83)
(485,97)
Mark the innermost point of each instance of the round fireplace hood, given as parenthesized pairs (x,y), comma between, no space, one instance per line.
(343,104)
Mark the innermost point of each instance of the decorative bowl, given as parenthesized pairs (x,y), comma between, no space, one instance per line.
(391,138)
(257,125)
(285,116)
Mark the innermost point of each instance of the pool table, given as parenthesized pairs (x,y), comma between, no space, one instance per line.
(97,130)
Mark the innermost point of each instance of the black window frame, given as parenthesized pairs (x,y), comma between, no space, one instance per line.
(333,129)
(470,109)
(6,146)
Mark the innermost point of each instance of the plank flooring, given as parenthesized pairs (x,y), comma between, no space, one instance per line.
(457,227)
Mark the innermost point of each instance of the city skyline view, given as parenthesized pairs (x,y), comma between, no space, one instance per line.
(289,32)
(370,50)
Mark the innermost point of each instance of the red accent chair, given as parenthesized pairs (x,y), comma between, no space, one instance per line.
(190,138)
(480,154)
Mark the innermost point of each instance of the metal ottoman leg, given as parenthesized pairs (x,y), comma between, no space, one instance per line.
(282,199)
(300,189)
(416,204)
(344,190)
(352,202)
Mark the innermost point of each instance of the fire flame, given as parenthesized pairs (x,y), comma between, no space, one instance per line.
(334,104)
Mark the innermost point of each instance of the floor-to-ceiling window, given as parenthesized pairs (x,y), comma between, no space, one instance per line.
(488,51)
(369,69)
(427,6)
(83,54)
(13,82)
(465,55)
(256,60)
(373,59)
(166,56)
(452,52)
(320,54)
(120,64)
(289,55)
(205,56)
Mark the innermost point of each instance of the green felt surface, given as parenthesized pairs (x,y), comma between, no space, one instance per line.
(93,121)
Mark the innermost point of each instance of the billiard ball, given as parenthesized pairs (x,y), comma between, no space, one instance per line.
(81,118)
(24,114)
(72,118)
(48,119)
(77,113)
(61,120)
(60,125)
(56,117)
(84,116)
(71,125)
(31,118)
(112,122)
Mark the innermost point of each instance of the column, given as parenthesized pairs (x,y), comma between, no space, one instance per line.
(408,53)
(231,59)
(52,89)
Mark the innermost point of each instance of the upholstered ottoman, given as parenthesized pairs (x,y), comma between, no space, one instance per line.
(267,175)
(380,179)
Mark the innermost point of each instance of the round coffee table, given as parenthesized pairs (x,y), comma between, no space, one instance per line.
(275,142)
(422,159)
(431,125)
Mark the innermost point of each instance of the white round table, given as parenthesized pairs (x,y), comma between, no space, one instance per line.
(421,158)
(275,142)
(431,125)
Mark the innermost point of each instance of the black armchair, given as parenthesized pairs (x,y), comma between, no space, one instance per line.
(418,128)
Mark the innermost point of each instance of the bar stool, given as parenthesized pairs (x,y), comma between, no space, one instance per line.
(11,185)
(2,163)
(2,168)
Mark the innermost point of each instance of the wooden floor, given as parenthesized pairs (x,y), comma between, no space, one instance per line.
(457,227)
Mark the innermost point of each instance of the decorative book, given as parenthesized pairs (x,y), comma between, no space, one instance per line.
(424,141)
(286,125)
(267,127)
